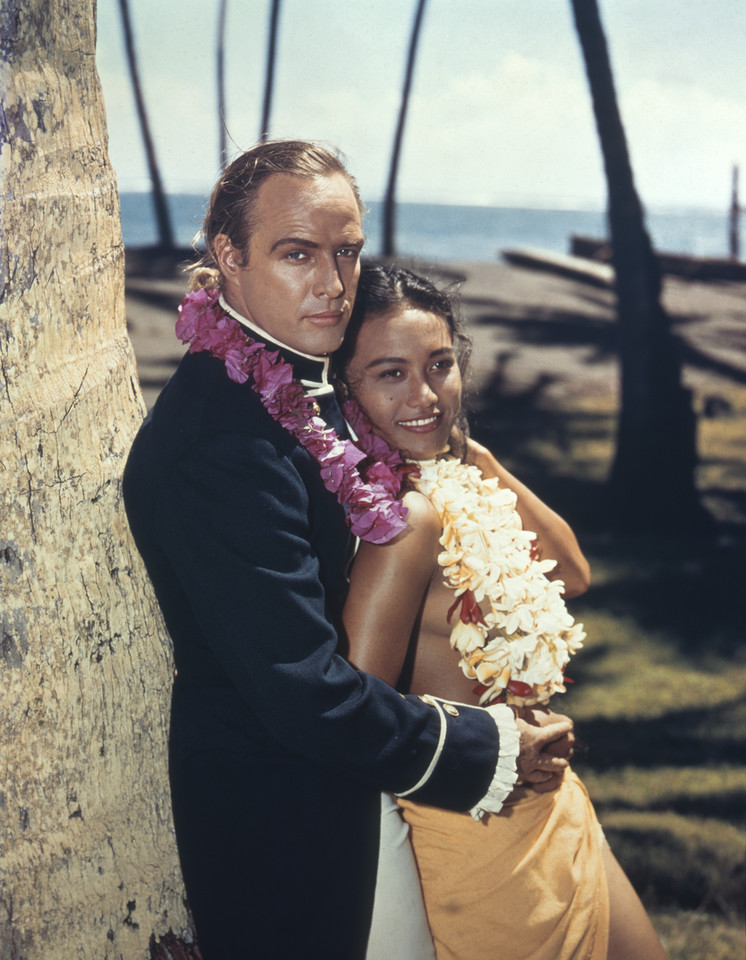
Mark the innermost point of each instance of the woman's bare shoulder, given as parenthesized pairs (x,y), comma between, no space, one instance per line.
(481,457)
(422,517)
(411,555)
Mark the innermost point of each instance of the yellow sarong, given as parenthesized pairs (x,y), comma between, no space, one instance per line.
(526,884)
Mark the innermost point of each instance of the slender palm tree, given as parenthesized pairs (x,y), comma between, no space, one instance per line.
(734,246)
(160,206)
(270,75)
(652,480)
(389,204)
(222,139)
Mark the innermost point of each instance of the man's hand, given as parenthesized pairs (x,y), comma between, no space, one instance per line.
(546,747)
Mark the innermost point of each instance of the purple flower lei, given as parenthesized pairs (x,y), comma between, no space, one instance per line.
(372,510)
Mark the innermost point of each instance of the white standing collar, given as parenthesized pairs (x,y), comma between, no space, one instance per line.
(316,386)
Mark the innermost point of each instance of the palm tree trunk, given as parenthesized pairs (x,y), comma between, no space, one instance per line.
(734,246)
(652,479)
(160,206)
(222,144)
(389,204)
(270,75)
(89,867)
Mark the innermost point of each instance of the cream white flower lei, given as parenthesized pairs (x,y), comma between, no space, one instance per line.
(526,636)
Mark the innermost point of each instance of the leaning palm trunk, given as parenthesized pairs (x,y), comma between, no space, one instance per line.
(220,58)
(389,201)
(160,203)
(88,865)
(269,77)
(652,481)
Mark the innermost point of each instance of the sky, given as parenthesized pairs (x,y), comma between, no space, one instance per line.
(500,112)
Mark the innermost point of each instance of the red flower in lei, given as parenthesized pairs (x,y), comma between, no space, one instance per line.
(373,512)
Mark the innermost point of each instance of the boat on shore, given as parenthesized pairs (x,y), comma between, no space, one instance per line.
(673,264)
(574,268)
(591,261)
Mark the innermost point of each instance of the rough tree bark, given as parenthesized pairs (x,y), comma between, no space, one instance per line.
(652,480)
(88,865)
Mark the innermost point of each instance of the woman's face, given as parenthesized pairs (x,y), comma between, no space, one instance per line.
(405,376)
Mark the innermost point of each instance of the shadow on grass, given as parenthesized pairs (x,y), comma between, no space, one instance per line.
(522,429)
(556,449)
(731,807)
(695,596)
(670,863)
(690,737)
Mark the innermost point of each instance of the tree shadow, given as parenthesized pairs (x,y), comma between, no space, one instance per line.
(159,262)
(519,424)
(520,421)
(729,806)
(700,360)
(155,298)
(690,737)
(689,589)
(536,327)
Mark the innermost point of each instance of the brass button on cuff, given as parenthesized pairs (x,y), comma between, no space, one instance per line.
(432,702)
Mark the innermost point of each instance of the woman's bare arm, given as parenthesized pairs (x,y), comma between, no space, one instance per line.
(556,541)
(388,584)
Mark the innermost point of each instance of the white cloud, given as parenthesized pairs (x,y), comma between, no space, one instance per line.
(500,110)
(684,141)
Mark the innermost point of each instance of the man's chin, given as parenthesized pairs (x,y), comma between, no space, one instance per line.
(325,346)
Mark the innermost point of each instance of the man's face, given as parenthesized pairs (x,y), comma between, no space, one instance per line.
(300,280)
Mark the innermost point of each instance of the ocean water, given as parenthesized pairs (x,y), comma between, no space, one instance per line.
(441,232)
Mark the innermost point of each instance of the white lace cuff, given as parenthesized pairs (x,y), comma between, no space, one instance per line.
(506,772)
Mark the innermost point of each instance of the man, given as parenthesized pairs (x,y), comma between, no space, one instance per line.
(278,747)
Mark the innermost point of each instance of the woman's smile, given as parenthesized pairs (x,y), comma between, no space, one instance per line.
(405,377)
(424,424)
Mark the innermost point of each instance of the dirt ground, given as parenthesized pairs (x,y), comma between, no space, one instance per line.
(536,328)
(540,342)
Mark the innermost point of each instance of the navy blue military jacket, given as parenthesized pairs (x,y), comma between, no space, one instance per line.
(247,552)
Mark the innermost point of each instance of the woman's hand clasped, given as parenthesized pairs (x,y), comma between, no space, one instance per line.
(547,742)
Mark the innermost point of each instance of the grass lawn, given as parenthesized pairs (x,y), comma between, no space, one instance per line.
(659,692)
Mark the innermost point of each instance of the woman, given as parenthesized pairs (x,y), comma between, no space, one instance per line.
(528,882)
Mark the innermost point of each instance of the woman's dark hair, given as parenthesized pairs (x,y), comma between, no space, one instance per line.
(233,198)
(383,288)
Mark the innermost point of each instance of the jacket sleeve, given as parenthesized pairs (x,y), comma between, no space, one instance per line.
(232,519)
